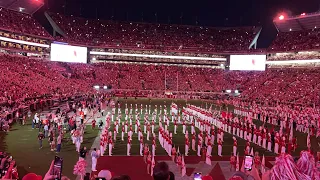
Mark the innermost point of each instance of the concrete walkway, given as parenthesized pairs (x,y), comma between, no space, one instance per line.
(96,142)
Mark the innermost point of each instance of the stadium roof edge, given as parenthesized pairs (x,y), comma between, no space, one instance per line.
(299,16)
(22,6)
(298,23)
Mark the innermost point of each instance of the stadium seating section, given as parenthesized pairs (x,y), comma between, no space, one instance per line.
(25,77)
(21,23)
(151,36)
(297,40)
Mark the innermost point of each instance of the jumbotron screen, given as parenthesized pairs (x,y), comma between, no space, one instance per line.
(67,53)
(248,62)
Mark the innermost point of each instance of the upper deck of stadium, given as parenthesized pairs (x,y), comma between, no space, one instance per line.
(298,33)
(93,32)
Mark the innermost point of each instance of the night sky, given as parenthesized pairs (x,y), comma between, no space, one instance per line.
(195,12)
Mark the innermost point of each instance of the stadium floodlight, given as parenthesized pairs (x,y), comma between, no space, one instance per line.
(236,91)
(228,91)
(96,87)
(105,87)
(281,17)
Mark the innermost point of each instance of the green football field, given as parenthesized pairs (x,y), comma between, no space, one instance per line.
(21,142)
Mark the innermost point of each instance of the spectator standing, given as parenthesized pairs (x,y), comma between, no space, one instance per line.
(53,144)
(36,118)
(24,120)
(46,130)
(59,139)
(29,114)
(40,138)
(33,122)
(83,153)
(94,156)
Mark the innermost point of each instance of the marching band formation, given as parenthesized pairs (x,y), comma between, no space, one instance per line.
(202,124)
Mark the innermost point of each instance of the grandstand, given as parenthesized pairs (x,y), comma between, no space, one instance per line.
(152,36)
(186,69)
(163,53)
(299,33)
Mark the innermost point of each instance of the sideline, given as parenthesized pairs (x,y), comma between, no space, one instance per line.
(95,144)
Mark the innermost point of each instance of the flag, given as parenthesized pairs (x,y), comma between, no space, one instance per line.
(208,159)
(183,166)
(237,165)
(251,153)
(153,163)
(263,165)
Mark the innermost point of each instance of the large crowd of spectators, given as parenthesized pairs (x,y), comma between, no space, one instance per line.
(284,85)
(153,36)
(23,78)
(147,77)
(24,81)
(148,36)
(21,23)
(297,40)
